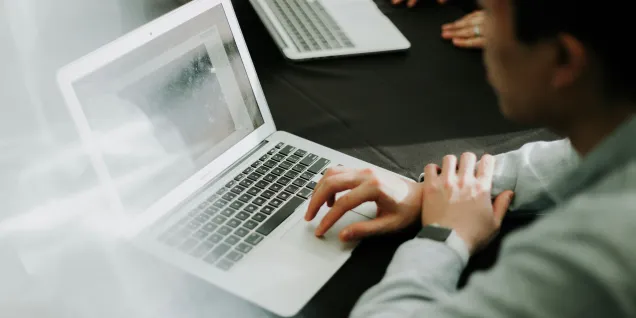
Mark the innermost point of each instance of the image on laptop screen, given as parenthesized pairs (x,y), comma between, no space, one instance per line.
(167,109)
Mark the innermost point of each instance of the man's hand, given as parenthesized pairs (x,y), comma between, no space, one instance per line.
(398,200)
(412,3)
(460,199)
(466,32)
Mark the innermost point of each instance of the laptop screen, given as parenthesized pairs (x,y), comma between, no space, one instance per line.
(167,109)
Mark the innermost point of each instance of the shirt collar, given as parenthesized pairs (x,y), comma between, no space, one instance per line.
(613,152)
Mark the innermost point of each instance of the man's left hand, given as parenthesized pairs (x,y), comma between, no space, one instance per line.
(466,32)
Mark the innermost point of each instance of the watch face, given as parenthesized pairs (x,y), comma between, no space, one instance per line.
(435,233)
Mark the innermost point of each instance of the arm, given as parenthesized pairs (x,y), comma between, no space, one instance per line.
(528,170)
(565,266)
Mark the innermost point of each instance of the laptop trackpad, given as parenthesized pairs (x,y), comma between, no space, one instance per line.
(328,246)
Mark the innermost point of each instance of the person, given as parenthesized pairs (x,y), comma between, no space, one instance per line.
(550,66)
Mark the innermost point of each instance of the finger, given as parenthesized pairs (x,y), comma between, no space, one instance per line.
(501,205)
(347,202)
(442,1)
(471,43)
(449,167)
(459,24)
(330,187)
(431,171)
(396,1)
(331,172)
(411,3)
(486,168)
(360,230)
(467,164)
(466,32)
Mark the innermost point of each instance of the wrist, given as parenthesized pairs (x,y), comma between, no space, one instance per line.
(448,236)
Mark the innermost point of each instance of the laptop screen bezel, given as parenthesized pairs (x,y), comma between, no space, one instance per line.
(86,65)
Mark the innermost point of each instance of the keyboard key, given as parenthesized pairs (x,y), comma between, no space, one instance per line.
(254,191)
(194,224)
(211,210)
(284,181)
(202,217)
(291,174)
(184,233)
(270,177)
(300,182)
(215,238)
(311,185)
(246,183)
(224,265)
(268,209)
(224,230)
(242,216)
(239,177)
(324,171)
(254,239)
(319,165)
(262,170)
(246,198)
(268,194)
(262,184)
(287,150)
(248,170)
(278,171)
(220,204)
(229,196)
(284,196)
(263,158)
(251,208)
(275,187)
(270,163)
(212,198)
(307,175)
(256,164)
(259,201)
(200,234)
(293,159)
(209,227)
(230,184)
(280,145)
(298,168)
(231,240)
(189,244)
(300,153)
(281,215)
(254,176)
(237,205)
(278,157)
(234,223)
(259,217)
(271,151)
(309,159)
(216,253)
(250,224)
(243,248)
(305,193)
(276,202)
(285,165)
(221,191)
(238,189)
(202,249)
(234,256)
(219,219)
(228,212)
(241,232)
(292,189)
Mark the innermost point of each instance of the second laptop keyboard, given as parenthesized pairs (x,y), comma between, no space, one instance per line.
(228,224)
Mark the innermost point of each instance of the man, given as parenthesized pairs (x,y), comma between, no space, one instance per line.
(552,65)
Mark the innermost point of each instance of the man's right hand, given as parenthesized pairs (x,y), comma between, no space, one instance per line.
(399,201)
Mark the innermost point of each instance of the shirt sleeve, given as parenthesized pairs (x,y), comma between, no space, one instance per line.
(554,269)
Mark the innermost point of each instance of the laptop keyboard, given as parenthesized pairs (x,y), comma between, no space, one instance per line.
(231,222)
(309,26)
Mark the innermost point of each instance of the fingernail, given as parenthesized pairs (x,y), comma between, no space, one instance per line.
(346,235)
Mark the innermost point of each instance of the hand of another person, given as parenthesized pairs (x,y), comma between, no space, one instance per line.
(412,3)
(460,199)
(398,200)
(466,32)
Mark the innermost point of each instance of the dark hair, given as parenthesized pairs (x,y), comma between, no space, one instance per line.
(602,26)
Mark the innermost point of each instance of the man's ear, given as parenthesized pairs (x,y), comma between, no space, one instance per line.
(571,61)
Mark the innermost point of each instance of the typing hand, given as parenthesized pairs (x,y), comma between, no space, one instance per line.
(466,32)
(412,3)
(460,199)
(398,200)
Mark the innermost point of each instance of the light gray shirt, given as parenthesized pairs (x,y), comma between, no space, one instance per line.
(578,260)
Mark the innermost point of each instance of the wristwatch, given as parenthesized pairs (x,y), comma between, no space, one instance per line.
(447,236)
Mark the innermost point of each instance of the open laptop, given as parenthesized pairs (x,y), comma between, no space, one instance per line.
(311,29)
(177,127)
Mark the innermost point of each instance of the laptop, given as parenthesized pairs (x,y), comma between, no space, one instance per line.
(313,29)
(182,140)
